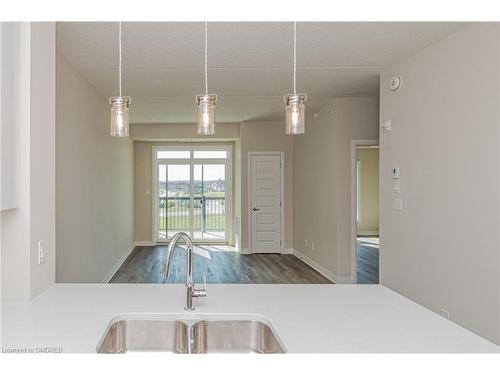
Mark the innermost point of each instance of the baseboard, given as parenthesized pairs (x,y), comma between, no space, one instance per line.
(322,270)
(145,243)
(118,264)
(318,267)
(368,233)
(249,251)
(344,280)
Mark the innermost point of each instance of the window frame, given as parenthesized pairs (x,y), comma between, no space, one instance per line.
(228,162)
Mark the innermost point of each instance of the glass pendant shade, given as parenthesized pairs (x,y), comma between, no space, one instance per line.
(206,114)
(295,111)
(119,116)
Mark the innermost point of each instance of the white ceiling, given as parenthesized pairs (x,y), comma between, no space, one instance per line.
(249,62)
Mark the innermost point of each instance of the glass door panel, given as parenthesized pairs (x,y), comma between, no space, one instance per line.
(174,194)
(162,202)
(209,202)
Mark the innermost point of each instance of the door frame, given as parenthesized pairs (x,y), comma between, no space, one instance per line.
(354,207)
(229,185)
(281,154)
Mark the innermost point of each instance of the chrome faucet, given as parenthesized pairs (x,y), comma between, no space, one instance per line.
(191,291)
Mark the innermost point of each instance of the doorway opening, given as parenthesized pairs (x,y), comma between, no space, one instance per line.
(365,225)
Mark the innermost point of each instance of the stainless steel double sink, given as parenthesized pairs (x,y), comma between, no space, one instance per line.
(204,335)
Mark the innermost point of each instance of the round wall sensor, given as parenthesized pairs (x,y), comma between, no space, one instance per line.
(395,83)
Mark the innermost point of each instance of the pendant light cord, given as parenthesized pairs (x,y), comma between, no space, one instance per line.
(206,58)
(295,57)
(120,58)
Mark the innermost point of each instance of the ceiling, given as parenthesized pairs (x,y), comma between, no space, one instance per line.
(250,63)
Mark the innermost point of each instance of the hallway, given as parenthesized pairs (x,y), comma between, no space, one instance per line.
(367,252)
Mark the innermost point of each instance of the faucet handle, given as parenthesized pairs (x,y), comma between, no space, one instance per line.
(203,291)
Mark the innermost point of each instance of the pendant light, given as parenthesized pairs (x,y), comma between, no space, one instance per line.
(119,104)
(206,102)
(295,108)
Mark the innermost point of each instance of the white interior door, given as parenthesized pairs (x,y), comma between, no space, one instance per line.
(265,203)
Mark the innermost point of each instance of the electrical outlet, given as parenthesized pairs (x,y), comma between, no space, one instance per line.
(397,204)
(306,243)
(42,247)
(445,313)
(312,246)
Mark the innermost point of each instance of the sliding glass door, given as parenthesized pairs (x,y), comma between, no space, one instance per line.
(192,192)
(209,193)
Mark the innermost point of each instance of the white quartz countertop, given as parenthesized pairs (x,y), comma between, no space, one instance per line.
(307,318)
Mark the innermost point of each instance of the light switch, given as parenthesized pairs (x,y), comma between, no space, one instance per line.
(397,204)
(387,126)
(395,186)
(42,250)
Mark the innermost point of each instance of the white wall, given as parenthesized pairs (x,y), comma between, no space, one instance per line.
(42,153)
(15,223)
(9,113)
(322,181)
(314,190)
(182,132)
(442,249)
(33,218)
(94,182)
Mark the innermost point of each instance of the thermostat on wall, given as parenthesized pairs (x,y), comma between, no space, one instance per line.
(395,172)
(395,82)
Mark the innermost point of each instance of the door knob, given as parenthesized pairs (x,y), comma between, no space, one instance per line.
(255,209)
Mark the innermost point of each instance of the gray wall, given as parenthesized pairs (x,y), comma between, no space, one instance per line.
(94,183)
(322,181)
(442,249)
(32,110)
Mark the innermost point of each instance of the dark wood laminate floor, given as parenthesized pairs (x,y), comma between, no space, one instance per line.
(367,261)
(144,265)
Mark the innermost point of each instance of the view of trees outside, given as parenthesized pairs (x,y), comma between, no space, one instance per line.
(209,186)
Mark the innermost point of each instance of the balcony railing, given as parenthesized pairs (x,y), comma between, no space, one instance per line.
(209,214)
